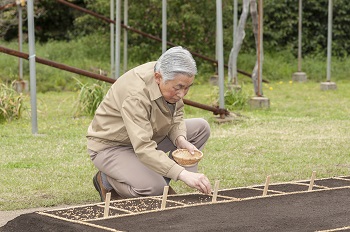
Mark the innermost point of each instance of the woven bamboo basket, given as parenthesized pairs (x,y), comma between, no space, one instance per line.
(184,158)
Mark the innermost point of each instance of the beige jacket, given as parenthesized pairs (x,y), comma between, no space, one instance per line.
(134,113)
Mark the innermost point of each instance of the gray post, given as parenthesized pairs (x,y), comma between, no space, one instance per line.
(20,40)
(20,85)
(299,75)
(112,37)
(32,71)
(328,85)
(220,52)
(164,26)
(300,34)
(117,38)
(329,40)
(125,52)
(261,36)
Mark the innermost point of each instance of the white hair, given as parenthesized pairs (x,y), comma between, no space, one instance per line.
(176,60)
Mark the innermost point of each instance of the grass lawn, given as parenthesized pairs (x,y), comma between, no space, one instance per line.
(304,130)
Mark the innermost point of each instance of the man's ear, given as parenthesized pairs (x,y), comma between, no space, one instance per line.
(158,77)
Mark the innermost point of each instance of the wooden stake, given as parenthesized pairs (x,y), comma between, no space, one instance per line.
(216,188)
(313,176)
(266,185)
(165,196)
(108,199)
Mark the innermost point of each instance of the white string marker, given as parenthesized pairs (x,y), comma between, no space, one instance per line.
(165,196)
(216,188)
(313,176)
(108,199)
(266,185)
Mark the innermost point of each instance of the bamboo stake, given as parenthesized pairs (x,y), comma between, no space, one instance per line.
(108,199)
(266,185)
(165,196)
(313,176)
(216,188)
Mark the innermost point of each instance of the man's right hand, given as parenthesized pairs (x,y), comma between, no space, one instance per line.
(196,180)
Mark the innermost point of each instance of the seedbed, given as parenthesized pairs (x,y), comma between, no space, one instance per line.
(290,206)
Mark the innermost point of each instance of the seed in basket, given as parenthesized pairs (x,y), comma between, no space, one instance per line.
(184,158)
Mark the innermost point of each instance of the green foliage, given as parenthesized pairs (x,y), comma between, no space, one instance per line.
(236,98)
(89,46)
(191,23)
(281,26)
(87,53)
(280,23)
(53,20)
(11,104)
(279,65)
(185,27)
(90,97)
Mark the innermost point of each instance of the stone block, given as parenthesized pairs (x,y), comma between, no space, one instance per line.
(299,77)
(328,86)
(259,103)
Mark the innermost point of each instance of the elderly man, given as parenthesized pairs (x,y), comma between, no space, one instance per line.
(138,125)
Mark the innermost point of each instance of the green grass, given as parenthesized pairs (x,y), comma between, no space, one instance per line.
(304,130)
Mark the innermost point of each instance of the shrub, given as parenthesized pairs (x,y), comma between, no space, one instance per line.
(11,104)
(236,98)
(90,97)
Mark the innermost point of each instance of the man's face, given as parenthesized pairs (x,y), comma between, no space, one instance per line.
(175,89)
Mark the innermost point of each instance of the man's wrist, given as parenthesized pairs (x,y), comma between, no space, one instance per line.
(179,140)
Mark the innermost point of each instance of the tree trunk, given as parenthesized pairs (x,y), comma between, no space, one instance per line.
(232,65)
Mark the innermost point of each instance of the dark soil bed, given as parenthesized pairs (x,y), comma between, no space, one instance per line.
(191,199)
(294,209)
(289,188)
(294,212)
(332,183)
(241,193)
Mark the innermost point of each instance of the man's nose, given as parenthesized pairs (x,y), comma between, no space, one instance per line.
(181,93)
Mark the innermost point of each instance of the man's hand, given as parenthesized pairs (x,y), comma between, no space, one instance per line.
(196,180)
(182,143)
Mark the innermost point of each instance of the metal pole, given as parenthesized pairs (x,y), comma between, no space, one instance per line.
(300,35)
(164,26)
(117,39)
(32,71)
(111,25)
(125,52)
(220,52)
(329,43)
(20,40)
(260,48)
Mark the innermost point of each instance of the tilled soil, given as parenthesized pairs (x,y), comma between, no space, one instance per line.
(287,207)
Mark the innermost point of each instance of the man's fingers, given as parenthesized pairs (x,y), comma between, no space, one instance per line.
(204,186)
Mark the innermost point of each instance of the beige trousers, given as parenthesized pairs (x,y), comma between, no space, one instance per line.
(131,178)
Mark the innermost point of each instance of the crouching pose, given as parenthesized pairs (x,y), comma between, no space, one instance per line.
(140,122)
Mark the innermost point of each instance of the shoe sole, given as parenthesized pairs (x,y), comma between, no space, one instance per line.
(97,186)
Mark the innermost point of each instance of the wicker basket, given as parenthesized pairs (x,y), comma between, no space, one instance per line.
(184,158)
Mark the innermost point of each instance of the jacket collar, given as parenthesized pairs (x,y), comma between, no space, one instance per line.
(154,90)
